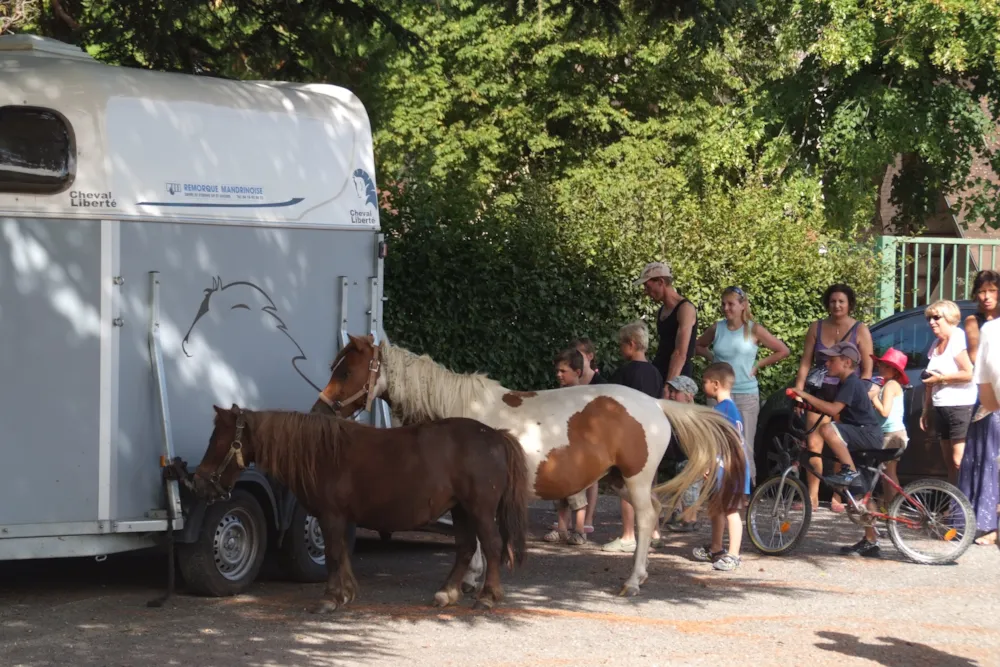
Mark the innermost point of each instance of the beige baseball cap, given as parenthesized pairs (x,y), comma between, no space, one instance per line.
(654,270)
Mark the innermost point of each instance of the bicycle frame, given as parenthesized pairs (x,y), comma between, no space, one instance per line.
(804,458)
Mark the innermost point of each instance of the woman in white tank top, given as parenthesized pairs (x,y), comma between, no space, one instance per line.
(949,394)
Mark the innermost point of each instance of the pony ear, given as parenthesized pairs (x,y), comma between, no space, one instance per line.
(235,409)
(371,338)
(222,416)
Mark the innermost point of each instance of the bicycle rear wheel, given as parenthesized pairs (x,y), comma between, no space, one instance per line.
(942,518)
(778,516)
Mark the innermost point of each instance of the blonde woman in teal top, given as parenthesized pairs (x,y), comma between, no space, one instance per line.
(736,340)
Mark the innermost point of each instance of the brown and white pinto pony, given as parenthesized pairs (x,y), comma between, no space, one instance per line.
(571,436)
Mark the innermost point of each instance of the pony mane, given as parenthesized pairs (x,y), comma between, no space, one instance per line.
(295,446)
(419,388)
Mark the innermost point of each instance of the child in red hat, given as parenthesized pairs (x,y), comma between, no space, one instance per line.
(888,401)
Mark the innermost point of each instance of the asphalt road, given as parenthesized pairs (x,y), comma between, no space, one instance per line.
(814,608)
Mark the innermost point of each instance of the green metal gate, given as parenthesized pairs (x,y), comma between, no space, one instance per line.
(917,271)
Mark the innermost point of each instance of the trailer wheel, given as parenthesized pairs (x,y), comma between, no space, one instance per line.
(301,556)
(230,549)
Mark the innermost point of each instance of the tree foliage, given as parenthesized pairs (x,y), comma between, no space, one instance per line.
(535,154)
(15,13)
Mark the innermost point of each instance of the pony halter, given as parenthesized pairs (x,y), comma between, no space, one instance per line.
(374,366)
(235,451)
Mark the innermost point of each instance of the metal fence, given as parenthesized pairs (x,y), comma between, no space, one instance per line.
(917,271)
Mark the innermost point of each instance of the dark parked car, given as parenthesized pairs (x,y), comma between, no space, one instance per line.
(908,332)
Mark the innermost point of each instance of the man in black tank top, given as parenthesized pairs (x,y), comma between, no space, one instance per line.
(676,322)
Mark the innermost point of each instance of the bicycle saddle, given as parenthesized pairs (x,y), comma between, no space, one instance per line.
(873,457)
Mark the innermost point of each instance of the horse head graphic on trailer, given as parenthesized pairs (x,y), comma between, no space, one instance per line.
(238,295)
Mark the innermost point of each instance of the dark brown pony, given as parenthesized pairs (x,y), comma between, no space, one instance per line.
(385,479)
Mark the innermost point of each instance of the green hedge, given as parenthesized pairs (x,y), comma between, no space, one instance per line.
(504,290)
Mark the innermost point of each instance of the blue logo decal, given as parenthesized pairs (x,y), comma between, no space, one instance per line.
(365,187)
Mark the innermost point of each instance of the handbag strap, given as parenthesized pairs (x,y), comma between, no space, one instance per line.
(856,323)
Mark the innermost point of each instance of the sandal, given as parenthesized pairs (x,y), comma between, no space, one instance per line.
(837,507)
(682,526)
(988,539)
(555,536)
(587,530)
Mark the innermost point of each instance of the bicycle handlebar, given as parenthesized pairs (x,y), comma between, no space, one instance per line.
(794,395)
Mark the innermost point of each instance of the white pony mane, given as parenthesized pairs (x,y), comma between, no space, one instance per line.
(419,388)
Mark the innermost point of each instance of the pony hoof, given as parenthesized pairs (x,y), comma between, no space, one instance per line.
(325,607)
(628,591)
(447,597)
(468,589)
(483,604)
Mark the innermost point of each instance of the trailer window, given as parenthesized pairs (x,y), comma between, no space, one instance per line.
(36,151)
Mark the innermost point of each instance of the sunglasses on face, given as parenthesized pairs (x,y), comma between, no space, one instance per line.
(933,318)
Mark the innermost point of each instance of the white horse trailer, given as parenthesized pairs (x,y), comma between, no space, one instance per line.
(169,242)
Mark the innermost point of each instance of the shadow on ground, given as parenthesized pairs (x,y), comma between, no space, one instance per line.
(891,652)
(82,612)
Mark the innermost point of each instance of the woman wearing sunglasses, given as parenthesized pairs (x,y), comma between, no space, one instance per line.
(735,340)
(949,394)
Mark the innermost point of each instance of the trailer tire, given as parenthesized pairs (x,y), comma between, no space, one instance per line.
(301,557)
(228,553)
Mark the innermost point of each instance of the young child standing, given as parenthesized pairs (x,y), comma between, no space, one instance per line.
(637,372)
(569,372)
(717,383)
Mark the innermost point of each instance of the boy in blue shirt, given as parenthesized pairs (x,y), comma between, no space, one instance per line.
(717,383)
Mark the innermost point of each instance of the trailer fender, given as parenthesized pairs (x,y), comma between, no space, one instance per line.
(257,484)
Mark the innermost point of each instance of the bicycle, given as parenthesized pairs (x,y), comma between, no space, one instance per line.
(930,506)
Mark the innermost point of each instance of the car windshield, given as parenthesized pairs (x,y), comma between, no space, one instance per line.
(910,335)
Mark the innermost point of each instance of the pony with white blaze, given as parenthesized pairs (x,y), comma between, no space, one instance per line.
(571,436)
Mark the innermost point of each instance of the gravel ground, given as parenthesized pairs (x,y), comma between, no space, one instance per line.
(815,607)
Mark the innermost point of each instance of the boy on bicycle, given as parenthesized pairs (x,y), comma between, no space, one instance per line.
(859,426)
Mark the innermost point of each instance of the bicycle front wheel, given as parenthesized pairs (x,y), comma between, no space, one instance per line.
(778,515)
(932,522)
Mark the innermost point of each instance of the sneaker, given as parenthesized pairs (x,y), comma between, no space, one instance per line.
(705,555)
(620,545)
(863,548)
(845,477)
(727,562)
